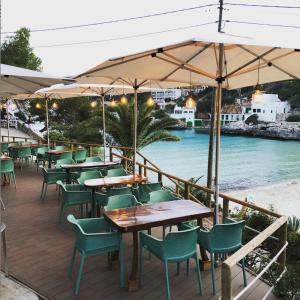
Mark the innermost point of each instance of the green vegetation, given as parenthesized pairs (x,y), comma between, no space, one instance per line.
(293,118)
(252,120)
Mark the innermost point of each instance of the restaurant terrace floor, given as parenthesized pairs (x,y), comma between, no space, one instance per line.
(39,254)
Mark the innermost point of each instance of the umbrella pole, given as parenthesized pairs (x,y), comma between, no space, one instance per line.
(104,128)
(134,125)
(219,80)
(7,116)
(47,123)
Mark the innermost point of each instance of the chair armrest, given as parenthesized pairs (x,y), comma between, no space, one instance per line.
(153,244)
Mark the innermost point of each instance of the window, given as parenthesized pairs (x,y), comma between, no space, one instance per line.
(271,111)
(263,111)
(258,110)
(226,117)
(254,109)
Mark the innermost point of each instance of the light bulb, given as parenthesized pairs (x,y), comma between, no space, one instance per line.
(124,100)
(190,102)
(93,104)
(38,106)
(113,103)
(150,102)
(55,105)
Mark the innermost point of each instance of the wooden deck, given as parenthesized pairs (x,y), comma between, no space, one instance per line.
(39,254)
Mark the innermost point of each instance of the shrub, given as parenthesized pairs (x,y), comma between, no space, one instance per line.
(293,118)
(252,120)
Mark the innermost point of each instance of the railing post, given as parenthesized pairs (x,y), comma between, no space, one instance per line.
(282,236)
(14,139)
(90,150)
(177,190)
(145,169)
(186,190)
(26,139)
(226,293)
(110,154)
(225,209)
(159,177)
(140,170)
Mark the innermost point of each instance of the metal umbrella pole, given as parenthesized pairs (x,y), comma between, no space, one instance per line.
(219,80)
(135,111)
(103,125)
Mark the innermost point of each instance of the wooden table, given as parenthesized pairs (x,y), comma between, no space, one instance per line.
(86,165)
(135,219)
(22,146)
(111,181)
(55,152)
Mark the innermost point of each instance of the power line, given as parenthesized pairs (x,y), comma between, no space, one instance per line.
(119,20)
(263,24)
(261,5)
(126,36)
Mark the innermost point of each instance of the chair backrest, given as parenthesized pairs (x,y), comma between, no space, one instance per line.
(119,191)
(160,196)
(61,147)
(92,174)
(41,150)
(66,155)
(227,236)
(180,244)
(80,154)
(63,161)
(7,165)
(23,152)
(116,172)
(145,189)
(93,159)
(4,147)
(120,201)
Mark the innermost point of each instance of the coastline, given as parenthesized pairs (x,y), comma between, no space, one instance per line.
(284,196)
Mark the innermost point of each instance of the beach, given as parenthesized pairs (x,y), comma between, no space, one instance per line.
(283,196)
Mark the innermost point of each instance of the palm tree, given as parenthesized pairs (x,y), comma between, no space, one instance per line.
(119,122)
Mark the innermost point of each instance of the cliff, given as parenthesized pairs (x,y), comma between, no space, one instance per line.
(275,130)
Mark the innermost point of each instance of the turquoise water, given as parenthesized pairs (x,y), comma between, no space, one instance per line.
(245,162)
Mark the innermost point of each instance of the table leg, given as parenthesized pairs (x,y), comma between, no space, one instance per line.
(68,176)
(93,202)
(133,283)
(49,162)
(204,256)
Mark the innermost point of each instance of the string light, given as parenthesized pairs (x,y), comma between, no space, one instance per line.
(55,105)
(38,106)
(113,103)
(124,100)
(257,89)
(93,104)
(189,101)
(150,101)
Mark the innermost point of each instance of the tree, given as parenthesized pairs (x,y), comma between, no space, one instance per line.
(16,51)
(149,130)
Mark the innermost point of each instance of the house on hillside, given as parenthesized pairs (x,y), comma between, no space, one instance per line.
(187,115)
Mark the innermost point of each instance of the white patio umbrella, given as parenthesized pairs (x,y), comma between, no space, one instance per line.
(220,60)
(15,80)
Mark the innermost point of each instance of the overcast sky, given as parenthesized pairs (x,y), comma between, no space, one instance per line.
(73,59)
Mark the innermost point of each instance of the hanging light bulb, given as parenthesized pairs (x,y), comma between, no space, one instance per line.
(93,104)
(124,100)
(189,101)
(38,106)
(257,89)
(150,101)
(54,105)
(113,103)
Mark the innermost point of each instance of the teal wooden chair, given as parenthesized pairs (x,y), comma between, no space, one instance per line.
(50,177)
(93,159)
(60,147)
(66,155)
(7,167)
(121,201)
(115,172)
(92,238)
(73,195)
(4,148)
(63,161)
(143,190)
(79,155)
(176,247)
(86,175)
(222,239)
(41,156)
(23,154)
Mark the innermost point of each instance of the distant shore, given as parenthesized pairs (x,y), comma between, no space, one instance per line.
(283,196)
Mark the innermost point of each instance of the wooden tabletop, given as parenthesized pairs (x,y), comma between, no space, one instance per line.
(58,151)
(152,215)
(89,165)
(5,157)
(111,181)
(22,146)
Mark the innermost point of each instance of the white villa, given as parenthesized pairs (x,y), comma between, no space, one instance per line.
(184,114)
(160,96)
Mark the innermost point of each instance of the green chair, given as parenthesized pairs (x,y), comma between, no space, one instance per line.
(66,155)
(41,156)
(73,195)
(160,196)
(50,176)
(143,190)
(93,159)
(222,239)
(92,238)
(4,148)
(7,167)
(23,154)
(175,248)
(63,161)
(121,201)
(92,174)
(79,155)
(116,172)
(61,147)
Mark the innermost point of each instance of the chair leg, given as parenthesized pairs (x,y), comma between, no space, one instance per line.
(61,216)
(149,253)
(167,280)
(77,285)
(198,275)
(45,192)
(178,269)
(141,266)
(213,272)
(41,197)
(187,267)
(4,252)
(14,178)
(244,272)
(72,262)
(121,260)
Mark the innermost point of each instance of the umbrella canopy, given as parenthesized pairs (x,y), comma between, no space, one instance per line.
(15,80)
(171,65)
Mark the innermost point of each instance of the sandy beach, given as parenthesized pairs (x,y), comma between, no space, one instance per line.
(284,196)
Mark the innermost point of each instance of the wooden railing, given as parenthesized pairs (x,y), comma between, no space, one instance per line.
(183,187)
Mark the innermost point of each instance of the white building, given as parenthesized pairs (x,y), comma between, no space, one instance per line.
(185,114)
(160,96)
(269,107)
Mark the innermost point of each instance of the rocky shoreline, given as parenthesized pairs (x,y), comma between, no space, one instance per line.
(274,130)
